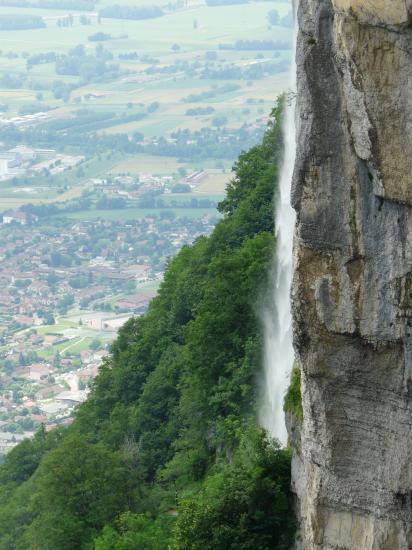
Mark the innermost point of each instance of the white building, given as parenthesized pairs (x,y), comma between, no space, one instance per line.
(16,217)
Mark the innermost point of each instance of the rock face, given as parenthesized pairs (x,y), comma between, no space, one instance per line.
(352,288)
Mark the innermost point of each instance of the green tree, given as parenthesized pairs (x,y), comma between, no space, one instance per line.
(76,494)
(95,344)
(245,505)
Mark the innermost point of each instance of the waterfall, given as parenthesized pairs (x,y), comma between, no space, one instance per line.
(276,316)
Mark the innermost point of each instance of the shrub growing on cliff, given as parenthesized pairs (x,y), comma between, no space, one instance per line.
(293,398)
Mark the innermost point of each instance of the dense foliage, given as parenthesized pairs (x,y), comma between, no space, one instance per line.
(166,452)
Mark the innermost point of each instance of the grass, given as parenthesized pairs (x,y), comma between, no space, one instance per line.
(151,128)
(44,197)
(214,184)
(76,345)
(57,328)
(138,164)
(147,163)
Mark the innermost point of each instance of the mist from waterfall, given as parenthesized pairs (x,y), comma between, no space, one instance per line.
(276,315)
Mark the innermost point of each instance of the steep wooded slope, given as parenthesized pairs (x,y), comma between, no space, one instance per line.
(166,450)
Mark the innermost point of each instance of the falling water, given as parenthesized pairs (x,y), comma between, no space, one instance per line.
(276,317)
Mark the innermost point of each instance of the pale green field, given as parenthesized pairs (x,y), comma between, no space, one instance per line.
(215,25)
(76,345)
(41,198)
(215,183)
(158,165)
(147,164)
(61,325)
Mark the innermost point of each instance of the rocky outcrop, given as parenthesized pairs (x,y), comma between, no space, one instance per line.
(352,288)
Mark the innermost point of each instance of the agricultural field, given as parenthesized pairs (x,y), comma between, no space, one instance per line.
(203,27)
(123,92)
(139,164)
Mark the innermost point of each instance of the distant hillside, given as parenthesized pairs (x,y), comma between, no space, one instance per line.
(166,452)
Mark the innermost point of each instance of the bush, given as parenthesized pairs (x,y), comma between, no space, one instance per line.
(293,398)
(99,37)
(246,505)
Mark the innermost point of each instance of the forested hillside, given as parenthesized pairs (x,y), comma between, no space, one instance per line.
(166,452)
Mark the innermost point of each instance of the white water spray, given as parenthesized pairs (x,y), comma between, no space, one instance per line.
(276,316)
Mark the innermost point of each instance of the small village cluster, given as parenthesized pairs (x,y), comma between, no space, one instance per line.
(65,290)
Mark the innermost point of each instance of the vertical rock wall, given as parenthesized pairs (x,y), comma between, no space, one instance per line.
(352,289)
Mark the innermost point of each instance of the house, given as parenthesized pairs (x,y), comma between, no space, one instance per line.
(12,158)
(88,373)
(137,301)
(41,418)
(196,177)
(53,407)
(86,356)
(4,167)
(24,320)
(100,355)
(107,322)
(16,217)
(26,153)
(21,372)
(45,154)
(48,392)
(52,339)
(39,371)
(140,272)
(72,398)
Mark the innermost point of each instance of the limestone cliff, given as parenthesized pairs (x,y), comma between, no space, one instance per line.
(352,288)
